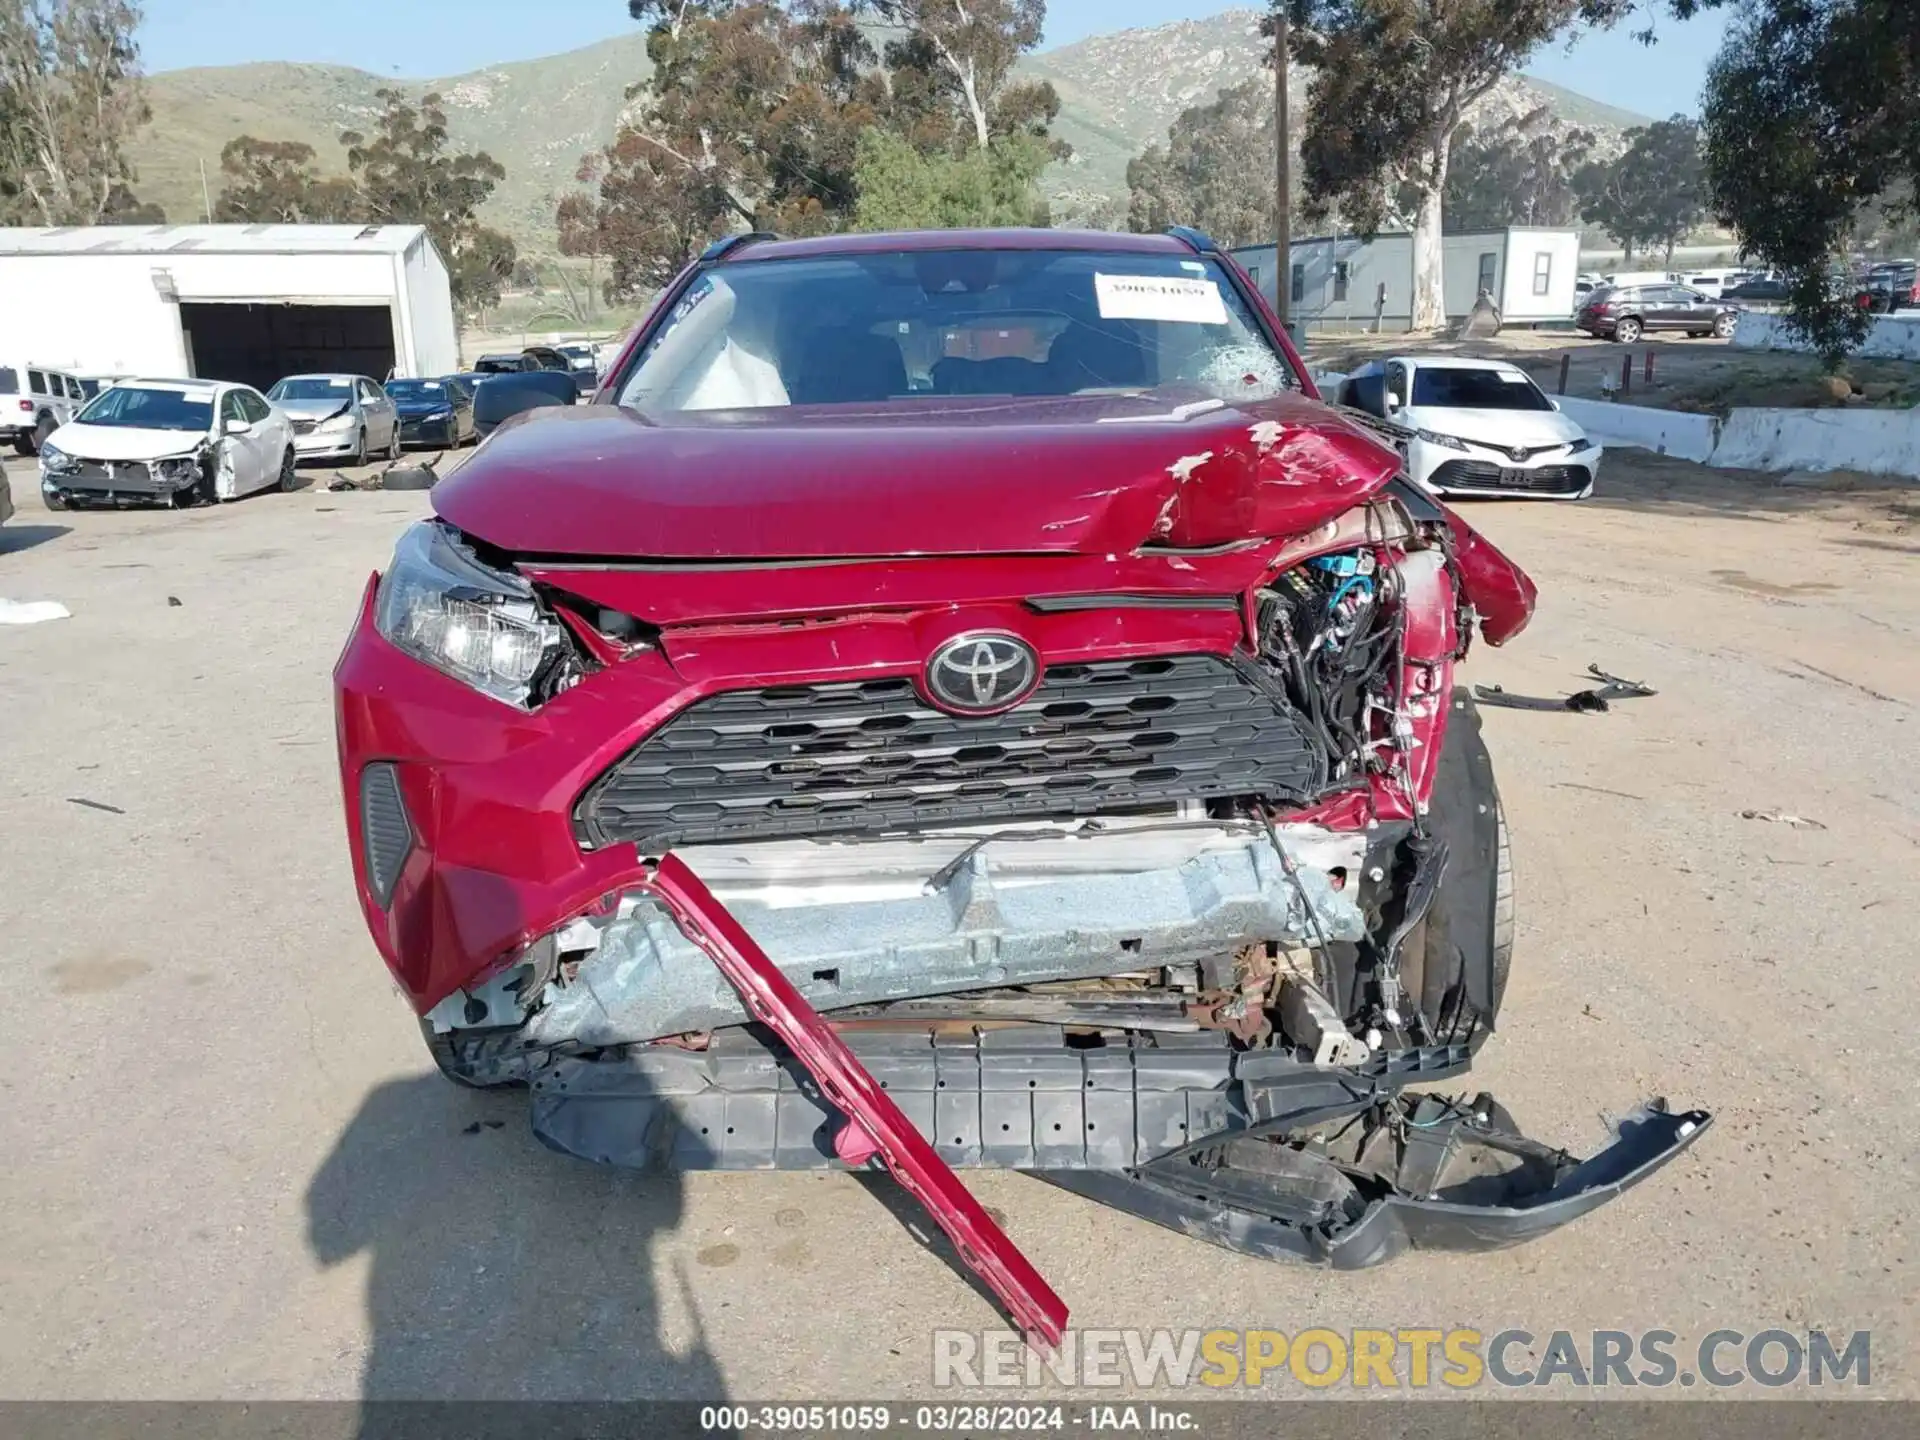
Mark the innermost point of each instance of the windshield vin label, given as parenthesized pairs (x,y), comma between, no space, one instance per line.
(1159,297)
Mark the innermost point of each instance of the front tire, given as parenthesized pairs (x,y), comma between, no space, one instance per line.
(359,449)
(393,444)
(1724,327)
(289,481)
(1628,331)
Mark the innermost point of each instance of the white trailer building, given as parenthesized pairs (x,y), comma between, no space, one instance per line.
(249,303)
(1340,282)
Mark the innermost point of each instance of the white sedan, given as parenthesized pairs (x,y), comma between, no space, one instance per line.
(1476,427)
(187,441)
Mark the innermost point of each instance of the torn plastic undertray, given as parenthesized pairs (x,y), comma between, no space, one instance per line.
(1355,1187)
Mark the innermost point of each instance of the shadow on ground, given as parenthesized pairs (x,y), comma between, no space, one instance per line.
(500,1271)
(15,538)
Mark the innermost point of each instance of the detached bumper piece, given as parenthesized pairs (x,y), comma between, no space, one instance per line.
(1429,1174)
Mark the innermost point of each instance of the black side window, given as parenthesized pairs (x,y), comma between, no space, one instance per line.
(36,382)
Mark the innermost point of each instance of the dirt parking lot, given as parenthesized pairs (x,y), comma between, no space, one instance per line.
(231,1171)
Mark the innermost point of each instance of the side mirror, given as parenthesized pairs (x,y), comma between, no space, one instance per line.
(238,427)
(1553,402)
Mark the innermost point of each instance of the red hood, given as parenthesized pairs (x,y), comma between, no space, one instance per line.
(1086,475)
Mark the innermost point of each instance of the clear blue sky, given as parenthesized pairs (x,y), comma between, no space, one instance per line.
(433,38)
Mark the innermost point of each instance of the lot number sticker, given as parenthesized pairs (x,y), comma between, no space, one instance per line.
(1159,297)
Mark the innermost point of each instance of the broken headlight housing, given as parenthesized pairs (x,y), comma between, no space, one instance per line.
(56,462)
(484,627)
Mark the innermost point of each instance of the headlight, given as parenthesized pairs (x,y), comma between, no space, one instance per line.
(56,462)
(1435,438)
(336,422)
(178,467)
(480,625)
(438,415)
(1574,447)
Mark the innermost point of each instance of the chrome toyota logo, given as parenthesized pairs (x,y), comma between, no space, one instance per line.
(1519,452)
(979,674)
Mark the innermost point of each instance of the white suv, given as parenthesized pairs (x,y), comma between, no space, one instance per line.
(35,401)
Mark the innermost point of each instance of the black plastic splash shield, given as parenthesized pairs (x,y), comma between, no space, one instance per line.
(1295,1210)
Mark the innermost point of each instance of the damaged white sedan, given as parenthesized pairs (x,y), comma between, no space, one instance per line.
(186,442)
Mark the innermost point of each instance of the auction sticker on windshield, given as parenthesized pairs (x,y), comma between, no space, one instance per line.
(1159,297)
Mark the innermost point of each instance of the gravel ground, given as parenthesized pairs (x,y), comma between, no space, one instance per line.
(230,1172)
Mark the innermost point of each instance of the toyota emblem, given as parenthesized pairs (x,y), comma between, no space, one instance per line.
(1519,452)
(980,674)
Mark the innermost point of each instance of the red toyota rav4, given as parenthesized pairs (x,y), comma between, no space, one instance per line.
(964,688)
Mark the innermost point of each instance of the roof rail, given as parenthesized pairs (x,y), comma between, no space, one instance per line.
(727,244)
(1199,240)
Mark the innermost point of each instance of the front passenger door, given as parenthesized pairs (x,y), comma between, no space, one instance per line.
(378,406)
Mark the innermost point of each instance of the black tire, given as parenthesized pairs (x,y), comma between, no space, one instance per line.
(289,479)
(1629,330)
(359,449)
(393,444)
(1724,327)
(22,443)
(477,1059)
(42,428)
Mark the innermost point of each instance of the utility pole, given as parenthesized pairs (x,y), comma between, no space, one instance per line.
(1283,177)
(206,195)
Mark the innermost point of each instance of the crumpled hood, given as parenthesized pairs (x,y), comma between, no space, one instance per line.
(314,409)
(989,475)
(123,442)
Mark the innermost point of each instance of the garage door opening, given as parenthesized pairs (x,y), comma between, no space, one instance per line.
(258,344)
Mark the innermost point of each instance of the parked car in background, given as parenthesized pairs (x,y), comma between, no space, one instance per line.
(1641,277)
(505,364)
(1891,287)
(188,441)
(339,417)
(1714,284)
(1626,312)
(585,363)
(499,398)
(36,400)
(6,494)
(433,412)
(1476,427)
(92,385)
(1759,289)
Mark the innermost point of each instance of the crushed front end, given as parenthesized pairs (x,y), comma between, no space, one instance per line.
(1162,875)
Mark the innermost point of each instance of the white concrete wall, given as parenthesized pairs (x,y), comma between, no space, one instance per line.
(1893,337)
(1878,442)
(1665,432)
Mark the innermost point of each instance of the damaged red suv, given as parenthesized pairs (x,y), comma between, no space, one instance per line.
(977,663)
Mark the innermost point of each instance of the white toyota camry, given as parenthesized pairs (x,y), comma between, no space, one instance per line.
(1476,427)
(186,441)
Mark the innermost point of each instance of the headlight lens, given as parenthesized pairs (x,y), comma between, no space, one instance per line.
(179,467)
(1574,447)
(1434,437)
(438,415)
(56,462)
(336,422)
(480,625)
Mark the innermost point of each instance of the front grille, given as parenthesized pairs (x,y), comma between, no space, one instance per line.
(1485,475)
(872,756)
(304,427)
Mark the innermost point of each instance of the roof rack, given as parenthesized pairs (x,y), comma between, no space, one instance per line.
(727,244)
(1199,240)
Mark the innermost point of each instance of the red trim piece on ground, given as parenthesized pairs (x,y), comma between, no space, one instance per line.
(875,1125)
